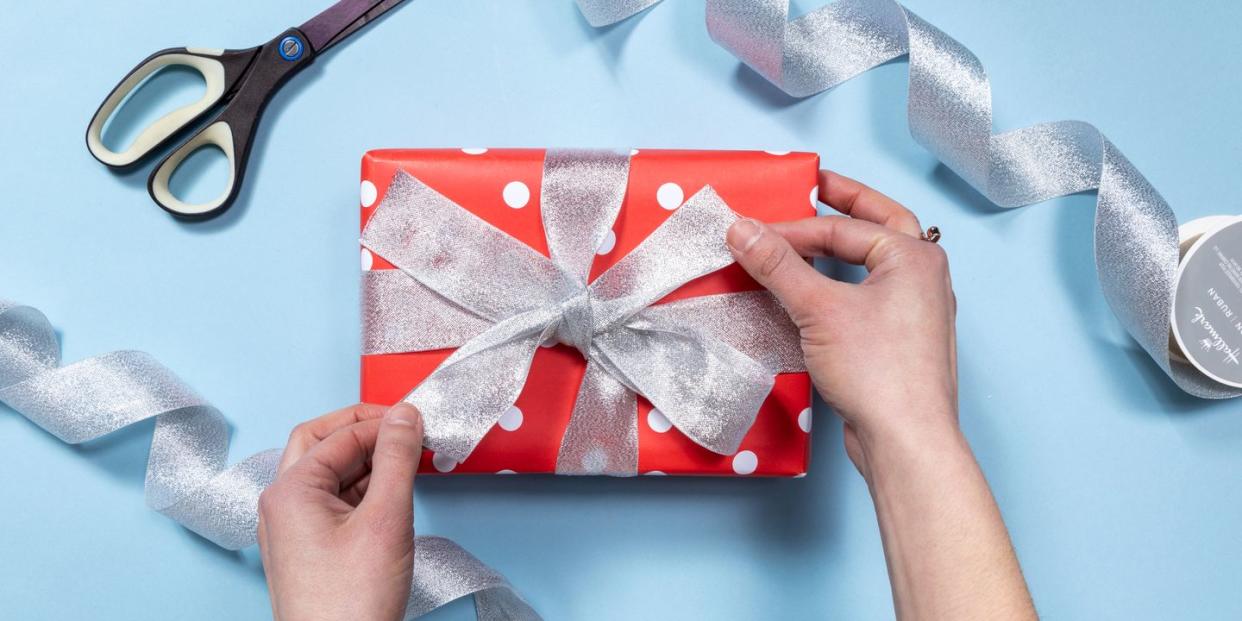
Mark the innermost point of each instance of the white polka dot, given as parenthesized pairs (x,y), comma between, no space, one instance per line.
(474,152)
(815,197)
(444,463)
(804,420)
(610,242)
(777,152)
(516,194)
(800,475)
(670,196)
(657,421)
(654,473)
(506,471)
(745,462)
(511,419)
(633,152)
(367,259)
(369,193)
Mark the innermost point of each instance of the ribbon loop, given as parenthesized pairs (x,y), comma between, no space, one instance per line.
(401,314)
(580,198)
(688,245)
(495,276)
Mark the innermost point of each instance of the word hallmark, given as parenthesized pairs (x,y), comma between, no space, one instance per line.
(1214,341)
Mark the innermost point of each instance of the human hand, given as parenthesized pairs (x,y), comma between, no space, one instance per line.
(882,353)
(336,528)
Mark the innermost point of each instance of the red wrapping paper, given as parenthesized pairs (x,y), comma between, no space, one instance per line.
(493,184)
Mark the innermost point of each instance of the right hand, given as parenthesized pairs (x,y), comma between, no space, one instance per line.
(882,353)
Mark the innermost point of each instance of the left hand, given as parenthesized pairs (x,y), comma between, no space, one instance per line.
(336,528)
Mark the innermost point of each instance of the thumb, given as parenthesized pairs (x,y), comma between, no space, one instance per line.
(773,263)
(398,449)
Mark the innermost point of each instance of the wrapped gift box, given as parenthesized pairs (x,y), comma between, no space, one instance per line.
(502,186)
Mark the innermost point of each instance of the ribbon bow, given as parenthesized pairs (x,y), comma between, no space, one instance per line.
(707,363)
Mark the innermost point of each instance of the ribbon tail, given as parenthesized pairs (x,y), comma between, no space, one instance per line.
(444,571)
(602,436)
(710,391)
(464,397)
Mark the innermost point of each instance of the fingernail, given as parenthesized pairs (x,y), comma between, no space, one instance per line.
(403,414)
(743,234)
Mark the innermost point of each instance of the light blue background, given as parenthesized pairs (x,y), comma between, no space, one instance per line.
(1124,496)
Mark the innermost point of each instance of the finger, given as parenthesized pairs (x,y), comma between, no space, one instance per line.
(339,460)
(856,200)
(354,493)
(390,492)
(854,241)
(773,263)
(312,432)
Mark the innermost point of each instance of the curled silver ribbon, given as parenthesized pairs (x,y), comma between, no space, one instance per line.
(188,478)
(707,363)
(950,111)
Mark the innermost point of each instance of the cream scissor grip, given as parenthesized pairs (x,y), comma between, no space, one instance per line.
(239,85)
(232,84)
(154,135)
(218,134)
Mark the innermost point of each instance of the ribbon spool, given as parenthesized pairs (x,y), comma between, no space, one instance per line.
(1206,319)
(950,113)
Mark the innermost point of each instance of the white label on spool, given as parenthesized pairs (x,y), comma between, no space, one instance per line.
(1207,310)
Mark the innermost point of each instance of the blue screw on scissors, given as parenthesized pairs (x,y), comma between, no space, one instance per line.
(239,85)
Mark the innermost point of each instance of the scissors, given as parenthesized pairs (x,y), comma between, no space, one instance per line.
(239,85)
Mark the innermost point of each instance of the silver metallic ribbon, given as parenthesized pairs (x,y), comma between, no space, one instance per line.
(707,363)
(950,114)
(950,111)
(188,476)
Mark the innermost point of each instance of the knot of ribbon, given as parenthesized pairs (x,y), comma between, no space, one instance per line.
(706,363)
(576,327)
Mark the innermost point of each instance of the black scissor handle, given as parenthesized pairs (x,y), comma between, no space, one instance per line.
(220,70)
(233,129)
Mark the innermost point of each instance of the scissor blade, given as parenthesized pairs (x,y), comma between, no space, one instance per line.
(341,20)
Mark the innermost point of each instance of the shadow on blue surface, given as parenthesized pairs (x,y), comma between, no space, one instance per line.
(611,39)
(788,515)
